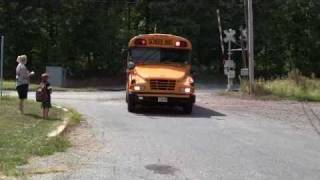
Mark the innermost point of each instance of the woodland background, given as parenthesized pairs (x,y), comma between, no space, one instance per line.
(89,37)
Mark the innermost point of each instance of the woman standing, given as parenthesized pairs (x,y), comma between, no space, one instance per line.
(22,79)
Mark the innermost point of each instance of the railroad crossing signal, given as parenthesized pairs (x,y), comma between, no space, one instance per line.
(229,65)
(244,35)
(230,36)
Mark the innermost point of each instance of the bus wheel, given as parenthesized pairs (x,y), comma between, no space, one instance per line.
(127,97)
(131,105)
(187,108)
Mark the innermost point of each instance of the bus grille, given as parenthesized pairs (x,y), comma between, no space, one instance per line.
(163,85)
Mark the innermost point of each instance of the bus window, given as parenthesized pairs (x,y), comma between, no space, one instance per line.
(158,55)
(147,55)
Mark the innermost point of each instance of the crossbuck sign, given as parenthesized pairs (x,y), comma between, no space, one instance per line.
(230,36)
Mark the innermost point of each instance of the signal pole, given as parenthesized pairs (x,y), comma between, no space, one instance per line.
(251,47)
(220,33)
(1,65)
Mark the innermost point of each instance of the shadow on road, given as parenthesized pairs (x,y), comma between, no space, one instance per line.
(168,111)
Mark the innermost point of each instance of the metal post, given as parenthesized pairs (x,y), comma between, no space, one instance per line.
(220,32)
(251,46)
(1,66)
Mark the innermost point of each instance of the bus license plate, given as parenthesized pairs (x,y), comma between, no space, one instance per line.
(163,99)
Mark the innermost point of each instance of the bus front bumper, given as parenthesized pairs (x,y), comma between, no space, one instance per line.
(168,99)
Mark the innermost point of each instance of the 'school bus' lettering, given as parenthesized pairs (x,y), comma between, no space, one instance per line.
(160,42)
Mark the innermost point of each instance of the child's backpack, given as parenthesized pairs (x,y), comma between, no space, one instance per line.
(40,95)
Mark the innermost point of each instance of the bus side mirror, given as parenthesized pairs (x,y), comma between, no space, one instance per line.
(131,65)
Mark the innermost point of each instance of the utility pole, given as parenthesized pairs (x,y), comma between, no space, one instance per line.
(251,47)
(1,65)
(130,4)
(129,21)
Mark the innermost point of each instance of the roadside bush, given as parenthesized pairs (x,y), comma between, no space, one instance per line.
(259,88)
(295,86)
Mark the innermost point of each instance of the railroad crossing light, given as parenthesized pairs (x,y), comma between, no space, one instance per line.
(244,34)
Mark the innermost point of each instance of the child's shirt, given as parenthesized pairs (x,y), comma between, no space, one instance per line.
(47,90)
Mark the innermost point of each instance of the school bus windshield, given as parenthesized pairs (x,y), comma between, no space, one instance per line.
(160,55)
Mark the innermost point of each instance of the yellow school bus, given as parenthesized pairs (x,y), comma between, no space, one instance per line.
(158,72)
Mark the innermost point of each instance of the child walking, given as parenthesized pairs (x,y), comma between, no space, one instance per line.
(46,90)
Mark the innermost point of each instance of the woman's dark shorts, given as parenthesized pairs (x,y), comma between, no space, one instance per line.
(46,105)
(23,91)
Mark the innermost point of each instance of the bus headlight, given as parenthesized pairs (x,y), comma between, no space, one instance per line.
(137,88)
(186,90)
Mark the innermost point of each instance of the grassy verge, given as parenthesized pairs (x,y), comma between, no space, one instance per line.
(24,136)
(11,85)
(295,87)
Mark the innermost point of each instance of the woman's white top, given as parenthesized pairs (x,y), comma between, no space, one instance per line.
(22,75)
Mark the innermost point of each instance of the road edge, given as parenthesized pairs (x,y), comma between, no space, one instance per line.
(62,127)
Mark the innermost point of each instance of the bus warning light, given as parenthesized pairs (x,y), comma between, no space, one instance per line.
(141,42)
(181,44)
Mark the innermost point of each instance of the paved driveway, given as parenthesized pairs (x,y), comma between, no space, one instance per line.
(225,138)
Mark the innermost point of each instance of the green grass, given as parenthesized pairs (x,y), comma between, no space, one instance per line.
(75,117)
(295,87)
(286,88)
(11,85)
(24,136)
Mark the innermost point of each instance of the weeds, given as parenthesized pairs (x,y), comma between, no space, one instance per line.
(295,86)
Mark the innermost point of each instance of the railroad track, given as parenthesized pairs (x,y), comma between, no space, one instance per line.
(313,118)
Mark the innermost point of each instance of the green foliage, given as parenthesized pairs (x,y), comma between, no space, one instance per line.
(287,37)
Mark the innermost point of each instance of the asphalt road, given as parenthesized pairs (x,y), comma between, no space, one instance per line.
(225,138)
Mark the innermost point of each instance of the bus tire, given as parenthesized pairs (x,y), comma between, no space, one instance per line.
(127,96)
(131,104)
(187,108)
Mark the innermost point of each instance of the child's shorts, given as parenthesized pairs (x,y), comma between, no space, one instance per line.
(46,104)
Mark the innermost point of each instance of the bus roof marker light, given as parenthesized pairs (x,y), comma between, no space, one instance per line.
(140,42)
(181,44)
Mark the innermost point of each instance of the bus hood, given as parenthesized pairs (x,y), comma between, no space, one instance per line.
(163,71)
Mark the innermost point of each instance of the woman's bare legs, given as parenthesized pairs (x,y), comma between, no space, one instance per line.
(21,107)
